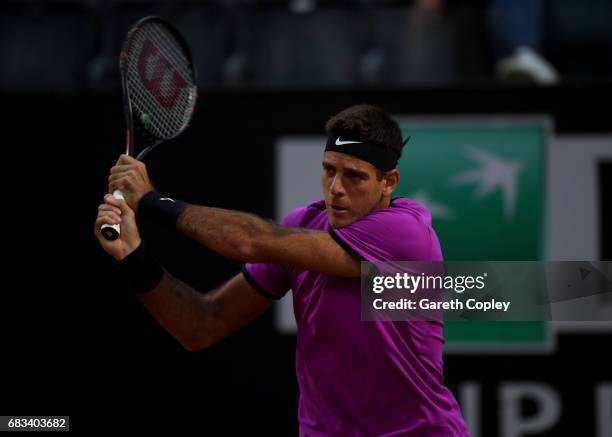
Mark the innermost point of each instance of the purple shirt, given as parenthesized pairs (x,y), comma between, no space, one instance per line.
(364,378)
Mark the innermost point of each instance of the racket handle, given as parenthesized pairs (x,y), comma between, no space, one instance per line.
(112,232)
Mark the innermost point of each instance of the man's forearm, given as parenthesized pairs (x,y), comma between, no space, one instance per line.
(189,316)
(248,238)
(233,234)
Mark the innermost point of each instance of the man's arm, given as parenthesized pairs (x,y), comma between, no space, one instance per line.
(248,238)
(241,236)
(195,320)
(199,320)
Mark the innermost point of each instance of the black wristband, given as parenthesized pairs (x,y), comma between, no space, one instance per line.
(140,270)
(157,208)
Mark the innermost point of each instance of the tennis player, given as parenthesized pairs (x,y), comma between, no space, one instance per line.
(356,378)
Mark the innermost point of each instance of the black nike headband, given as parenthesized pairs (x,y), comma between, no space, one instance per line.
(380,156)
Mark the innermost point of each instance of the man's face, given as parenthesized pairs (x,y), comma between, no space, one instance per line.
(351,188)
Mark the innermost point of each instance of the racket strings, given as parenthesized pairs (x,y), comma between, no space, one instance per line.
(165,42)
(149,99)
(165,96)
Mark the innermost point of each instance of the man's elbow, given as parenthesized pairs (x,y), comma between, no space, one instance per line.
(192,348)
(249,250)
(196,344)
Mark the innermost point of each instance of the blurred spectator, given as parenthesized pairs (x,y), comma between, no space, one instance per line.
(541,40)
(516,28)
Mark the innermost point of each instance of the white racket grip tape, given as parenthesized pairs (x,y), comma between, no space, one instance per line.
(112,232)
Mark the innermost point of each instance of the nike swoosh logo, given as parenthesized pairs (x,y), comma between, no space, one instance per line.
(167,198)
(340,143)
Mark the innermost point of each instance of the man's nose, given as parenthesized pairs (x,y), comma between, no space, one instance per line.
(336,187)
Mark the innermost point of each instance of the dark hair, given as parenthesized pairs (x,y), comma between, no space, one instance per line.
(369,122)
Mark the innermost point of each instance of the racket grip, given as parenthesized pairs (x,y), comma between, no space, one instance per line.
(112,232)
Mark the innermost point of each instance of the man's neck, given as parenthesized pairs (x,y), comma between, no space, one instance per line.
(385,202)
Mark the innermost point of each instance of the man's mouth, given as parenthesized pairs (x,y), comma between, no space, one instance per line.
(338,208)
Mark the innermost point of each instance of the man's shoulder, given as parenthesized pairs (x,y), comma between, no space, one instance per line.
(304,215)
(403,211)
(402,231)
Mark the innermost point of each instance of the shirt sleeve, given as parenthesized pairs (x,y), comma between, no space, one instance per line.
(269,280)
(272,280)
(389,234)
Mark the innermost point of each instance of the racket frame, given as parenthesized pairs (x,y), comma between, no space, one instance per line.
(112,232)
(133,124)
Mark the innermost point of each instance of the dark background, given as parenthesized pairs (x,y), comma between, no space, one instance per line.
(75,342)
(78,343)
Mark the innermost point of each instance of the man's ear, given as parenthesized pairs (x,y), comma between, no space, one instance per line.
(391,180)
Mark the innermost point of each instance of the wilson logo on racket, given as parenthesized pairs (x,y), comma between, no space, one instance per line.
(159,78)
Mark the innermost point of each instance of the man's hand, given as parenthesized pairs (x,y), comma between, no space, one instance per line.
(112,212)
(130,177)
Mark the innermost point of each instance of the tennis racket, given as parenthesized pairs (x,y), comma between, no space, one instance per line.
(158,80)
